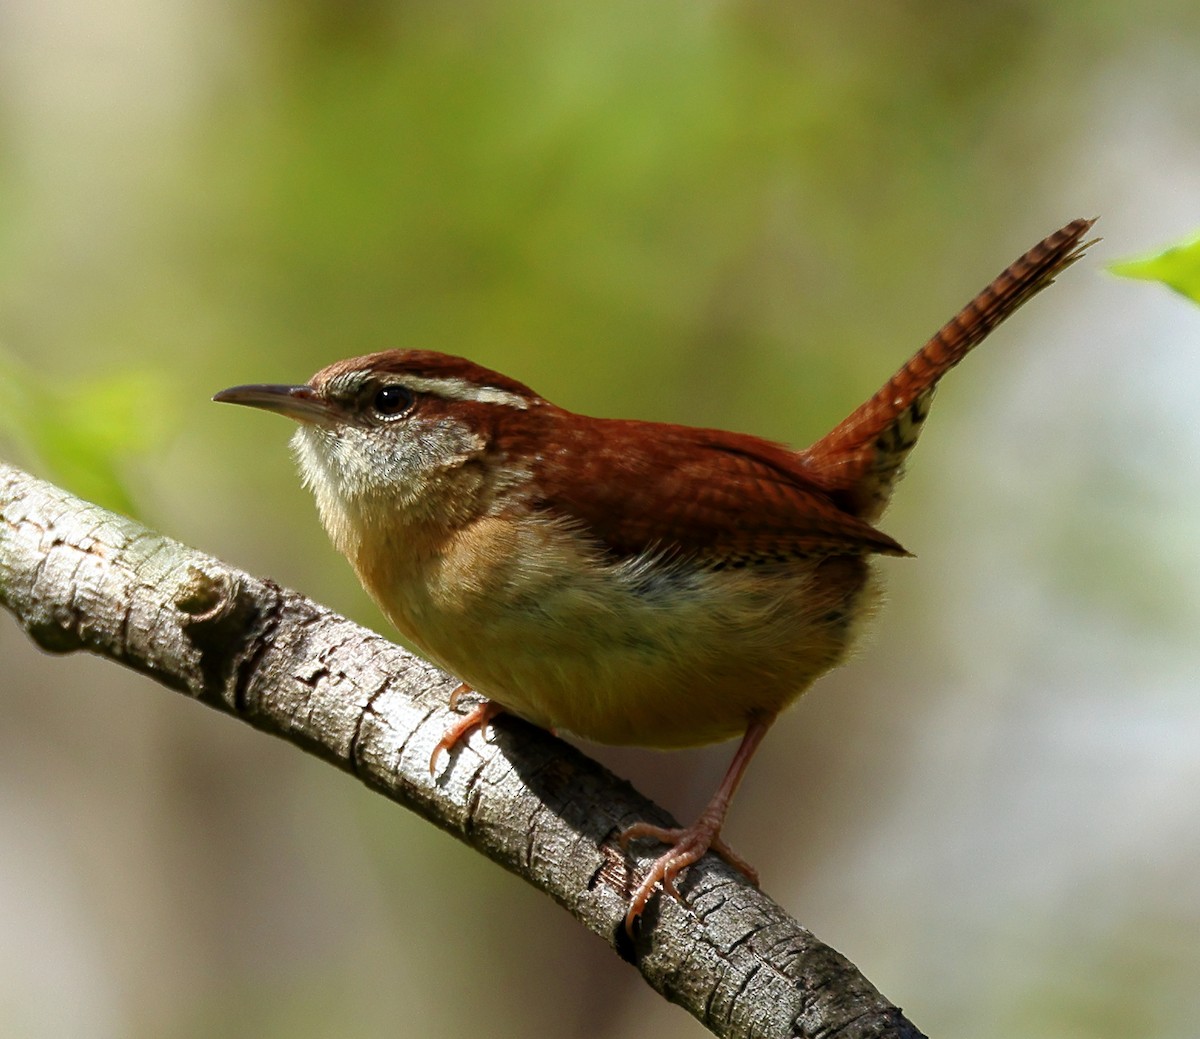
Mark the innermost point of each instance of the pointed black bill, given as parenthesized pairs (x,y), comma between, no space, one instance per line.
(301,403)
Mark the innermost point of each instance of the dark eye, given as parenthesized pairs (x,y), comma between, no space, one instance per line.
(392,400)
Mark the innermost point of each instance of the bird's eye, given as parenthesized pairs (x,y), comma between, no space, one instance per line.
(390,401)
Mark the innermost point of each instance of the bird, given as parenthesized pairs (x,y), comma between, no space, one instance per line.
(628,581)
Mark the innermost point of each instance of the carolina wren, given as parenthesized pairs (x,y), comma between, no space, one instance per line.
(630,582)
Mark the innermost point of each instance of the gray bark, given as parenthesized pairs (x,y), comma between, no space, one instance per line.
(77,577)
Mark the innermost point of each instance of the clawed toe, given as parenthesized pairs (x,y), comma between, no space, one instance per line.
(735,860)
(477,718)
(686,847)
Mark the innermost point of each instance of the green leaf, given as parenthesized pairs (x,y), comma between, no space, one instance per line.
(1177,267)
(83,431)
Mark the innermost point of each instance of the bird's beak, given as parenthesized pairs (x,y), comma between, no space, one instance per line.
(301,403)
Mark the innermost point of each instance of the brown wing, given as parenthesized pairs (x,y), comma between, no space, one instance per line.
(725,497)
(860,460)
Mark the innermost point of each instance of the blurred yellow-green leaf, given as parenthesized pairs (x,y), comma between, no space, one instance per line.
(81,431)
(1177,267)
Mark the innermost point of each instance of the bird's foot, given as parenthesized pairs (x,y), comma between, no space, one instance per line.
(477,718)
(687,846)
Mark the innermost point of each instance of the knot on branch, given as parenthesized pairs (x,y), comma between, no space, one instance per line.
(228,625)
(206,598)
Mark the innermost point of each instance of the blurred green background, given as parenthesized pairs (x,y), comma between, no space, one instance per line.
(743,214)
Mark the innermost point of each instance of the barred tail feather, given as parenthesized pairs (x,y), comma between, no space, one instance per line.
(860,460)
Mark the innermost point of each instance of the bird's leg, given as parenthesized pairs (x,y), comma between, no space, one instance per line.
(688,845)
(477,718)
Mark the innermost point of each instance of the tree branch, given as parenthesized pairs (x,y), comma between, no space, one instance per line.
(78,577)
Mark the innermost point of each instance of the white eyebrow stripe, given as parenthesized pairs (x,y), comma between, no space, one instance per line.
(350,382)
(461,389)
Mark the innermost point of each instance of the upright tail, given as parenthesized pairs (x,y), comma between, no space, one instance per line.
(860,460)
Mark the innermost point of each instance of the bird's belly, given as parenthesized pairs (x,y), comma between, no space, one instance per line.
(648,655)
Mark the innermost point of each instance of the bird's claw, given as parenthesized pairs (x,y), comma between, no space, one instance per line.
(477,718)
(686,847)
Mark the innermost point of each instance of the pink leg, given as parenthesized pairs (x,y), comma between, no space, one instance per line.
(476,718)
(689,844)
